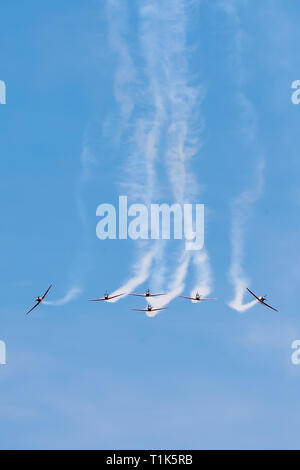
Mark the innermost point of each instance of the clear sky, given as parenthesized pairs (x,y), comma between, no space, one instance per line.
(162,101)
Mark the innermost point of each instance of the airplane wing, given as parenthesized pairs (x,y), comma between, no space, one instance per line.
(190,298)
(206,299)
(144,295)
(112,297)
(264,303)
(140,309)
(46,292)
(38,303)
(156,309)
(95,300)
(146,310)
(252,293)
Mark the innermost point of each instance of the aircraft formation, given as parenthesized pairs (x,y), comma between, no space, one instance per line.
(147,295)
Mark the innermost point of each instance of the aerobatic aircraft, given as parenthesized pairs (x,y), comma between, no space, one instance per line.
(39,300)
(261,300)
(147,294)
(106,297)
(197,297)
(149,309)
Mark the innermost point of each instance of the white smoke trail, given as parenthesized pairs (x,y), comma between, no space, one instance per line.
(248,126)
(176,285)
(203,274)
(78,268)
(125,76)
(140,174)
(141,272)
(240,212)
(182,100)
(81,261)
(186,124)
(171,103)
(72,294)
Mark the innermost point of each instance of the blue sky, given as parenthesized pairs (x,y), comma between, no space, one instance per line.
(161,101)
